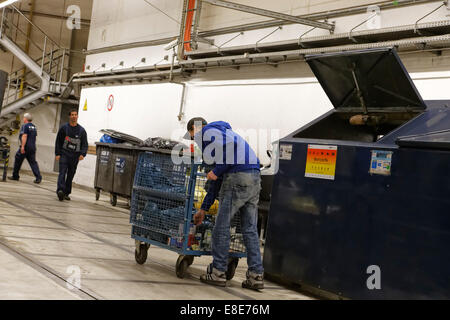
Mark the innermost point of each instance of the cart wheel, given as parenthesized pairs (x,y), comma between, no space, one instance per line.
(113,199)
(190,260)
(181,266)
(141,257)
(232,265)
(97,194)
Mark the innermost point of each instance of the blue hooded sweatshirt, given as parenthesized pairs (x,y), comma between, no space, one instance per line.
(237,156)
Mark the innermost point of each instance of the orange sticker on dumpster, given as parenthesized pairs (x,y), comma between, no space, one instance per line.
(321,162)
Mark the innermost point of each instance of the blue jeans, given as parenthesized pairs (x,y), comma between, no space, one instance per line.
(67,169)
(239,194)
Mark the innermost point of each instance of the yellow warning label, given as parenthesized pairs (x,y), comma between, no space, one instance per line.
(321,162)
(85,106)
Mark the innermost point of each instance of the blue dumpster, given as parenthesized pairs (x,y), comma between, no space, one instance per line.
(361,202)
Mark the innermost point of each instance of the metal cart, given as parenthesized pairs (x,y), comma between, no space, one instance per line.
(165,198)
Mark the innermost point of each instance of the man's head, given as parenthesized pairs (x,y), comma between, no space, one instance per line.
(73,114)
(27,118)
(193,126)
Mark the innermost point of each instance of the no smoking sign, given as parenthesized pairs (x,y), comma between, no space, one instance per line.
(110,104)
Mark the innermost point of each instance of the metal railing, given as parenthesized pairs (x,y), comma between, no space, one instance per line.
(43,50)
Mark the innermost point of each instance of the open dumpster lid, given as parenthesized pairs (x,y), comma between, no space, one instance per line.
(367,81)
(432,140)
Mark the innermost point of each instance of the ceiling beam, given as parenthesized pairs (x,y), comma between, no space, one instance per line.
(270,14)
(85,22)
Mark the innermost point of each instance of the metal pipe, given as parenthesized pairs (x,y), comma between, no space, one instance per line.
(132,76)
(171,65)
(183,99)
(62,69)
(428,14)
(265,37)
(50,65)
(43,55)
(27,47)
(360,24)
(3,19)
(7,91)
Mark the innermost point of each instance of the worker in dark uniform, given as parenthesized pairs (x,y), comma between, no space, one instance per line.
(27,149)
(70,148)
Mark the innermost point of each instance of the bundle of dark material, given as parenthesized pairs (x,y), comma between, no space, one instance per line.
(160,143)
(122,136)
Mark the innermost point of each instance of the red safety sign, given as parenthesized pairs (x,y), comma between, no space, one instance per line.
(110,103)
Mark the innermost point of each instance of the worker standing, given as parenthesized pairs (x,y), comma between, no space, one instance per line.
(71,147)
(237,180)
(27,149)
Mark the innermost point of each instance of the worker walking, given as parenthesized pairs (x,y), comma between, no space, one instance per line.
(71,147)
(27,149)
(236,179)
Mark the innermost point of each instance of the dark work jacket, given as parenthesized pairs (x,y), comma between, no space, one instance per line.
(71,141)
(30,130)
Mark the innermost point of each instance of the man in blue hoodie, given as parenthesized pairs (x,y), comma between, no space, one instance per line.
(236,180)
(71,147)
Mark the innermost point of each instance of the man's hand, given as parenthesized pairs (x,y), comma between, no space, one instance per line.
(81,158)
(57,158)
(22,150)
(199,216)
(212,176)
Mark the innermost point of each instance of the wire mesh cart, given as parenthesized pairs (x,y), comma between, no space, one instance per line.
(165,198)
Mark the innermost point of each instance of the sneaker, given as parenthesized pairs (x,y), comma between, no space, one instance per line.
(66,197)
(37,181)
(13,178)
(60,194)
(214,277)
(254,281)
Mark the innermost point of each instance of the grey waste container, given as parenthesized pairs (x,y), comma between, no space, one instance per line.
(103,169)
(115,167)
(124,159)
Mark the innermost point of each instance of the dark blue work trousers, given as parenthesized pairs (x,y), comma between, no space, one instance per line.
(30,155)
(67,169)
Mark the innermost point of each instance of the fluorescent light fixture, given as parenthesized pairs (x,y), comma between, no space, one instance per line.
(7,3)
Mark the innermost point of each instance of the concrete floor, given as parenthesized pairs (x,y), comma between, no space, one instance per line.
(44,243)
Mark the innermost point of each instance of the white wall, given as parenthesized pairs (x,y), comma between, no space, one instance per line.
(263,98)
(123,21)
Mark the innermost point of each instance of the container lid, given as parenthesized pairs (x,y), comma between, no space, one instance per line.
(366,80)
(432,140)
